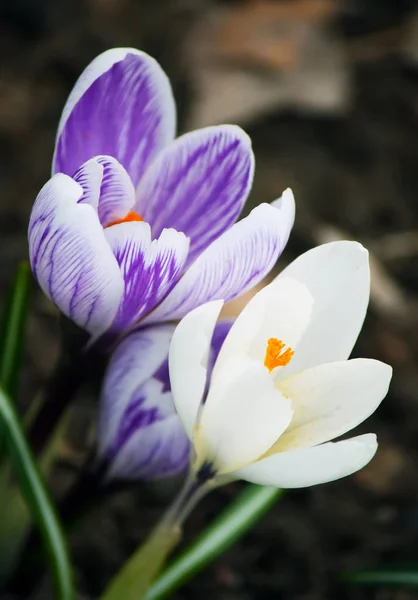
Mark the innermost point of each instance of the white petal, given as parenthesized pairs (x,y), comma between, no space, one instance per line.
(331,399)
(312,466)
(281,310)
(188,360)
(338,277)
(243,416)
(286,205)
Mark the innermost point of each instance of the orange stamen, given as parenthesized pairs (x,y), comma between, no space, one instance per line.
(274,355)
(131,216)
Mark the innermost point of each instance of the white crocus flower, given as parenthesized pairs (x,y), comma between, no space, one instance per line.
(282,386)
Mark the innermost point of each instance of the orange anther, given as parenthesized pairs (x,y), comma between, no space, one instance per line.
(274,355)
(131,216)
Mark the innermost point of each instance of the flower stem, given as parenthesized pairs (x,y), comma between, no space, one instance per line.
(228,527)
(132,582)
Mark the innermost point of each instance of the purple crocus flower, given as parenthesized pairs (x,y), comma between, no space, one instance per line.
(135,226)
(140,434)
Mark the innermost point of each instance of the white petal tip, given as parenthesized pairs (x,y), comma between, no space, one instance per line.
(67,183)
(285,201)
(288,193)
(236,131)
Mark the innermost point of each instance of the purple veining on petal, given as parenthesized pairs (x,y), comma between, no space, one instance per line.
(90,177)
(198,185)
(107,187)
(140,433)
(162,375)
(168,457)
(233,264)
(150,268)
(150,441)
(127,112)
(136,416)
(164,452)
(117,193)
(134,362)
(70,257)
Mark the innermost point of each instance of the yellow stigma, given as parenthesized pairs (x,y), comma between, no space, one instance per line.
(275,357)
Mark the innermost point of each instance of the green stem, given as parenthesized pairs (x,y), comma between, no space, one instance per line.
(385,576)
(12,329)
(132,582)
(229,527)
(37,498)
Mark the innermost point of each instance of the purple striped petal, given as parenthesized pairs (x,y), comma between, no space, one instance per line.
(158,447)
(150,268)
(136,359)
(140,434)
(122,105)
(90,177)
(107,187)
(198,185)
(71,258)
(234,263)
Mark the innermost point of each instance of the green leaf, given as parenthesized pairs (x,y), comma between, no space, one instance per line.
(38,500)
(133,580)
(12,329)
(229,527)
(391,577)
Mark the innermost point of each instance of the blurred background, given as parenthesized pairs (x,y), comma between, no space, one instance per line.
(328,91)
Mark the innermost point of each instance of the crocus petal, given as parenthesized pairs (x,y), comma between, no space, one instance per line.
(312,466)
(122,105)
(135,360)
(281,310)
(107,187)
(188,361)
(221,330)
(70,257)
(198,184)
(338,277)
(331,399)
(151,442)
(234,263)
(286,205)
(242,417)
(90,177)
(149,268)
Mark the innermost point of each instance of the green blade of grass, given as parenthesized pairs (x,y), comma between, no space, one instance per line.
(12,329)
(230,526)
(37,499)
(391,577)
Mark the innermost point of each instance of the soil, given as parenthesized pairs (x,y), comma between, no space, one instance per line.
(354,174)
